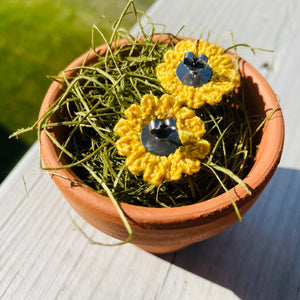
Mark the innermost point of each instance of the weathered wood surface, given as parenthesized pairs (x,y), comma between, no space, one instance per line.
(42,255)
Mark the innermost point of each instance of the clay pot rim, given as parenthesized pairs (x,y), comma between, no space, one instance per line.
(208,209)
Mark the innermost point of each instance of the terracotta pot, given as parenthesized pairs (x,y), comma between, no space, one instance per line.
(162,230)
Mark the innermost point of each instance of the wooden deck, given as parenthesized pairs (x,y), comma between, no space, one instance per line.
(43,256)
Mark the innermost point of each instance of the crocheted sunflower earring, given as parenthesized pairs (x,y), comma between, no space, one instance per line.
(213,73)
(161,119)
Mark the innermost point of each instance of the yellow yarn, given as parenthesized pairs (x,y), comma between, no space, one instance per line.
(185,159)
(224,77)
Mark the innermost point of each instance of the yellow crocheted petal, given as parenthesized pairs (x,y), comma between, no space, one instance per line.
(192,130)
(149,104)
(184,114)
(189,96)
(125,127)
(186,159)
(187,119)
(135,162)
(139,115)
(180,162)
(223,70)
(174,169)
(206,93)
(220,61)
(190,127)
(182,47)
(166,74)
(155,169)
(199,149)
(167,106)
(133,114)
(190,165)
(186,137)
(213,92)
(211,50)
(195,125)
(171,58)
(128,144)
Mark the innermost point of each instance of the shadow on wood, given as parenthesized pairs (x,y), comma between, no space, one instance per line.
(259,254)
(11,152)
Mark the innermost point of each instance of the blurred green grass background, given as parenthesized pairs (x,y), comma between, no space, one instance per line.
(40,38)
